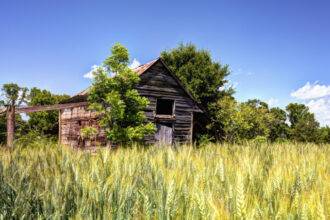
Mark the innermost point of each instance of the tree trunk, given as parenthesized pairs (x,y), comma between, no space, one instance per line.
(10,126)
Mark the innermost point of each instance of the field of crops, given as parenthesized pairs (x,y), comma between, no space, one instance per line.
(252,181)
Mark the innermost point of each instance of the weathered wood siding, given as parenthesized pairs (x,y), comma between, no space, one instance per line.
(156,83)
(72,120)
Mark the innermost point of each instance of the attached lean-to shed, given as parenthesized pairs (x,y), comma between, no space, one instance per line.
(171,108)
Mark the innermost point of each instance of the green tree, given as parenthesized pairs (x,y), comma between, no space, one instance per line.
(279,129)
(117,100)
(324,135)
(45,123)
(303,125)
(256,119)
(205,79)
(13,96)
(243,121)
(227,115)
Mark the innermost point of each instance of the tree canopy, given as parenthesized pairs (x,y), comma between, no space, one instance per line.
(117,100)
(13,95)
(205,79)
(45,122)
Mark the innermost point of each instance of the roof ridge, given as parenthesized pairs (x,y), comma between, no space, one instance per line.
(139,70)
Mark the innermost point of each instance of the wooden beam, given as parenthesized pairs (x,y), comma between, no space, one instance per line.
(11,111)
(31,109)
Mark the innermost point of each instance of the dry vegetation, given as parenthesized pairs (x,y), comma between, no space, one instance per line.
(282,181)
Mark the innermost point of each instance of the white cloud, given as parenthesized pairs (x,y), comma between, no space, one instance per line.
(134,64)
(317,98)
(91,73)
(272,102)
(321,109)
(311,91)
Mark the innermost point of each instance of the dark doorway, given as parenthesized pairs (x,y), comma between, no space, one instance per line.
(164,134)
(165,107)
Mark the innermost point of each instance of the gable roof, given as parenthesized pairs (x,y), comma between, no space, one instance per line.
(139,70)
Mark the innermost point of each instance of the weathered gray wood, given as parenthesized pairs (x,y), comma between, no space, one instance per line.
(49,107)
(164,134)
(158,83)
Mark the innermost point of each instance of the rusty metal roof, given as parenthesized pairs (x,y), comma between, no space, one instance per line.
(142,68)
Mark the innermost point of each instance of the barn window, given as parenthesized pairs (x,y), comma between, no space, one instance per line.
(165,107)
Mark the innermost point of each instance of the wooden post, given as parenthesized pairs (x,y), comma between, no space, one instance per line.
(10,126)
(59,127)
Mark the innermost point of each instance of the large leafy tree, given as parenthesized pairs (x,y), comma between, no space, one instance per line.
(200,74)
(117,101)
(324,135)
(244,121)
(205,79)
(279,129)
(303,125)
(12,97)
(45,123)
(257,119)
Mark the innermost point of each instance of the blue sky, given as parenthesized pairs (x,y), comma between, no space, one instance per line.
(274,48)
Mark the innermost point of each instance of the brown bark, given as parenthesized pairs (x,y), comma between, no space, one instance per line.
(10,126)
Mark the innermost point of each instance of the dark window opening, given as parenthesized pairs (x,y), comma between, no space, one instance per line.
(165,107)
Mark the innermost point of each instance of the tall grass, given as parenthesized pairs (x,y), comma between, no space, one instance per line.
(282,181)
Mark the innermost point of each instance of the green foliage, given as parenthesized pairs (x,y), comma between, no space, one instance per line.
(279,129)
(243,121)
(45,123)
(203,78)
(117,100)
(13,95)
(88,132)
(225,118)
(250,181)
(256,119)
(21,128)
(324,135)
(304,127)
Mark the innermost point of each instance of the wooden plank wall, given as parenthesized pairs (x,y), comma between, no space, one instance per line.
(157,82)
(73,120)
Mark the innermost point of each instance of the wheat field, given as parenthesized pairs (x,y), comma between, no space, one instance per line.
(217,181)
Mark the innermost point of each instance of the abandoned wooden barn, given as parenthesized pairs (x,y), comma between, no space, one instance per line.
(171,108)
